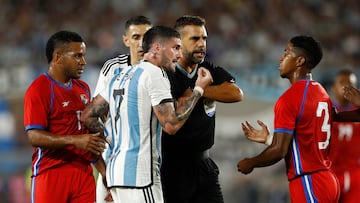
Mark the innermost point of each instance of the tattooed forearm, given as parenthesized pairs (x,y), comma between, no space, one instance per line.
(96,112)
(94,125)
(182,112)
(184,109)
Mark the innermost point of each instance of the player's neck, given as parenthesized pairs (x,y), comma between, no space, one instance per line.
(296,77)
(57,76)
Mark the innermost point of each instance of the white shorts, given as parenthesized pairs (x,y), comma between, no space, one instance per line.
(150,194)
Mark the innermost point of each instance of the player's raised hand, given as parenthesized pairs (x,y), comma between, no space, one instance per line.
(352,94)
(253,134)
(95,143)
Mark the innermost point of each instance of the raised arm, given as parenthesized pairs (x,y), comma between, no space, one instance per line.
(271,155)
(226,92)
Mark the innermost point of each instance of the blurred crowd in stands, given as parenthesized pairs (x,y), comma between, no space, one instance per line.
(246,37)
(241,33)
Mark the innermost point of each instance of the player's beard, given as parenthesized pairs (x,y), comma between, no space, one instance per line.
(168,64)
(194,60)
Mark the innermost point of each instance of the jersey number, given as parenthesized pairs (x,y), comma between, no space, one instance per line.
(325,127)
(118,97)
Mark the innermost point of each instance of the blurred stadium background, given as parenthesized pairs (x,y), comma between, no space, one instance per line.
(246,37)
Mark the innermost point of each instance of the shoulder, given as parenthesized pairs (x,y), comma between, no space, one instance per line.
(40,81)
(219,73)
(295,92)
(81,83)
(207,65)
(38,86)
(215,69)
(148,67)
(121,61)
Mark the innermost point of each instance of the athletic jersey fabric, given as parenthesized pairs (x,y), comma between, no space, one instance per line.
(51,106)
(110,68)
(197,134)
(345,157)
(304,111)
(345,146)
(135,130)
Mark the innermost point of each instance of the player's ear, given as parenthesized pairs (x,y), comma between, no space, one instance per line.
(126,40)
(300,61)
(57,56)
(157,46)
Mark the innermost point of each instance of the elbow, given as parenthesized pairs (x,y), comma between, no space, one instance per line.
(279,152)
(31,138)
(240,95)
(171,130)
(237,95)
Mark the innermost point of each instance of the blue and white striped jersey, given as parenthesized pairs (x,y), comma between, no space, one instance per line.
(135,130)
(109,69)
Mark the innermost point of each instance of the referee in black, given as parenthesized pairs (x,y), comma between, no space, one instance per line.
(188,174)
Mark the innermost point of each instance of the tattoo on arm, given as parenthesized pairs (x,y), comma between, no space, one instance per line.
(97,112)
(182,112)
(184,109)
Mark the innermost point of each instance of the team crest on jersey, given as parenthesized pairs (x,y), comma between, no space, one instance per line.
(84,98)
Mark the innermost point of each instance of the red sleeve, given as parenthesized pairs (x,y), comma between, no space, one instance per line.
(37,105)
(285,112)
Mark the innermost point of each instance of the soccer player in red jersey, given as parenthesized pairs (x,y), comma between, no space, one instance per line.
(63,148)
(345,141)
(303,116)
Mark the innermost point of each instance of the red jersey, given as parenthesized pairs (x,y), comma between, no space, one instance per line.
(304,111)
(51,106)
(345,146)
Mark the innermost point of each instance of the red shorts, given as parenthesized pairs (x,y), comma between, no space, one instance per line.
(349,186)
(65,184)
(321,186)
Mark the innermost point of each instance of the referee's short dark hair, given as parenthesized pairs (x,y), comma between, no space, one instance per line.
(188,20)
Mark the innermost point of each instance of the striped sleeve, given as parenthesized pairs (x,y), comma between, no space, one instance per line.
(109,69)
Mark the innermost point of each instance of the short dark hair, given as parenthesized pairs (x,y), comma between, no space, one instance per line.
(311,48)
(158,34)
(137,20)
(181,22)
(59,39)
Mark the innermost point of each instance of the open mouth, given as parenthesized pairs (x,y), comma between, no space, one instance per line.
(199,54)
